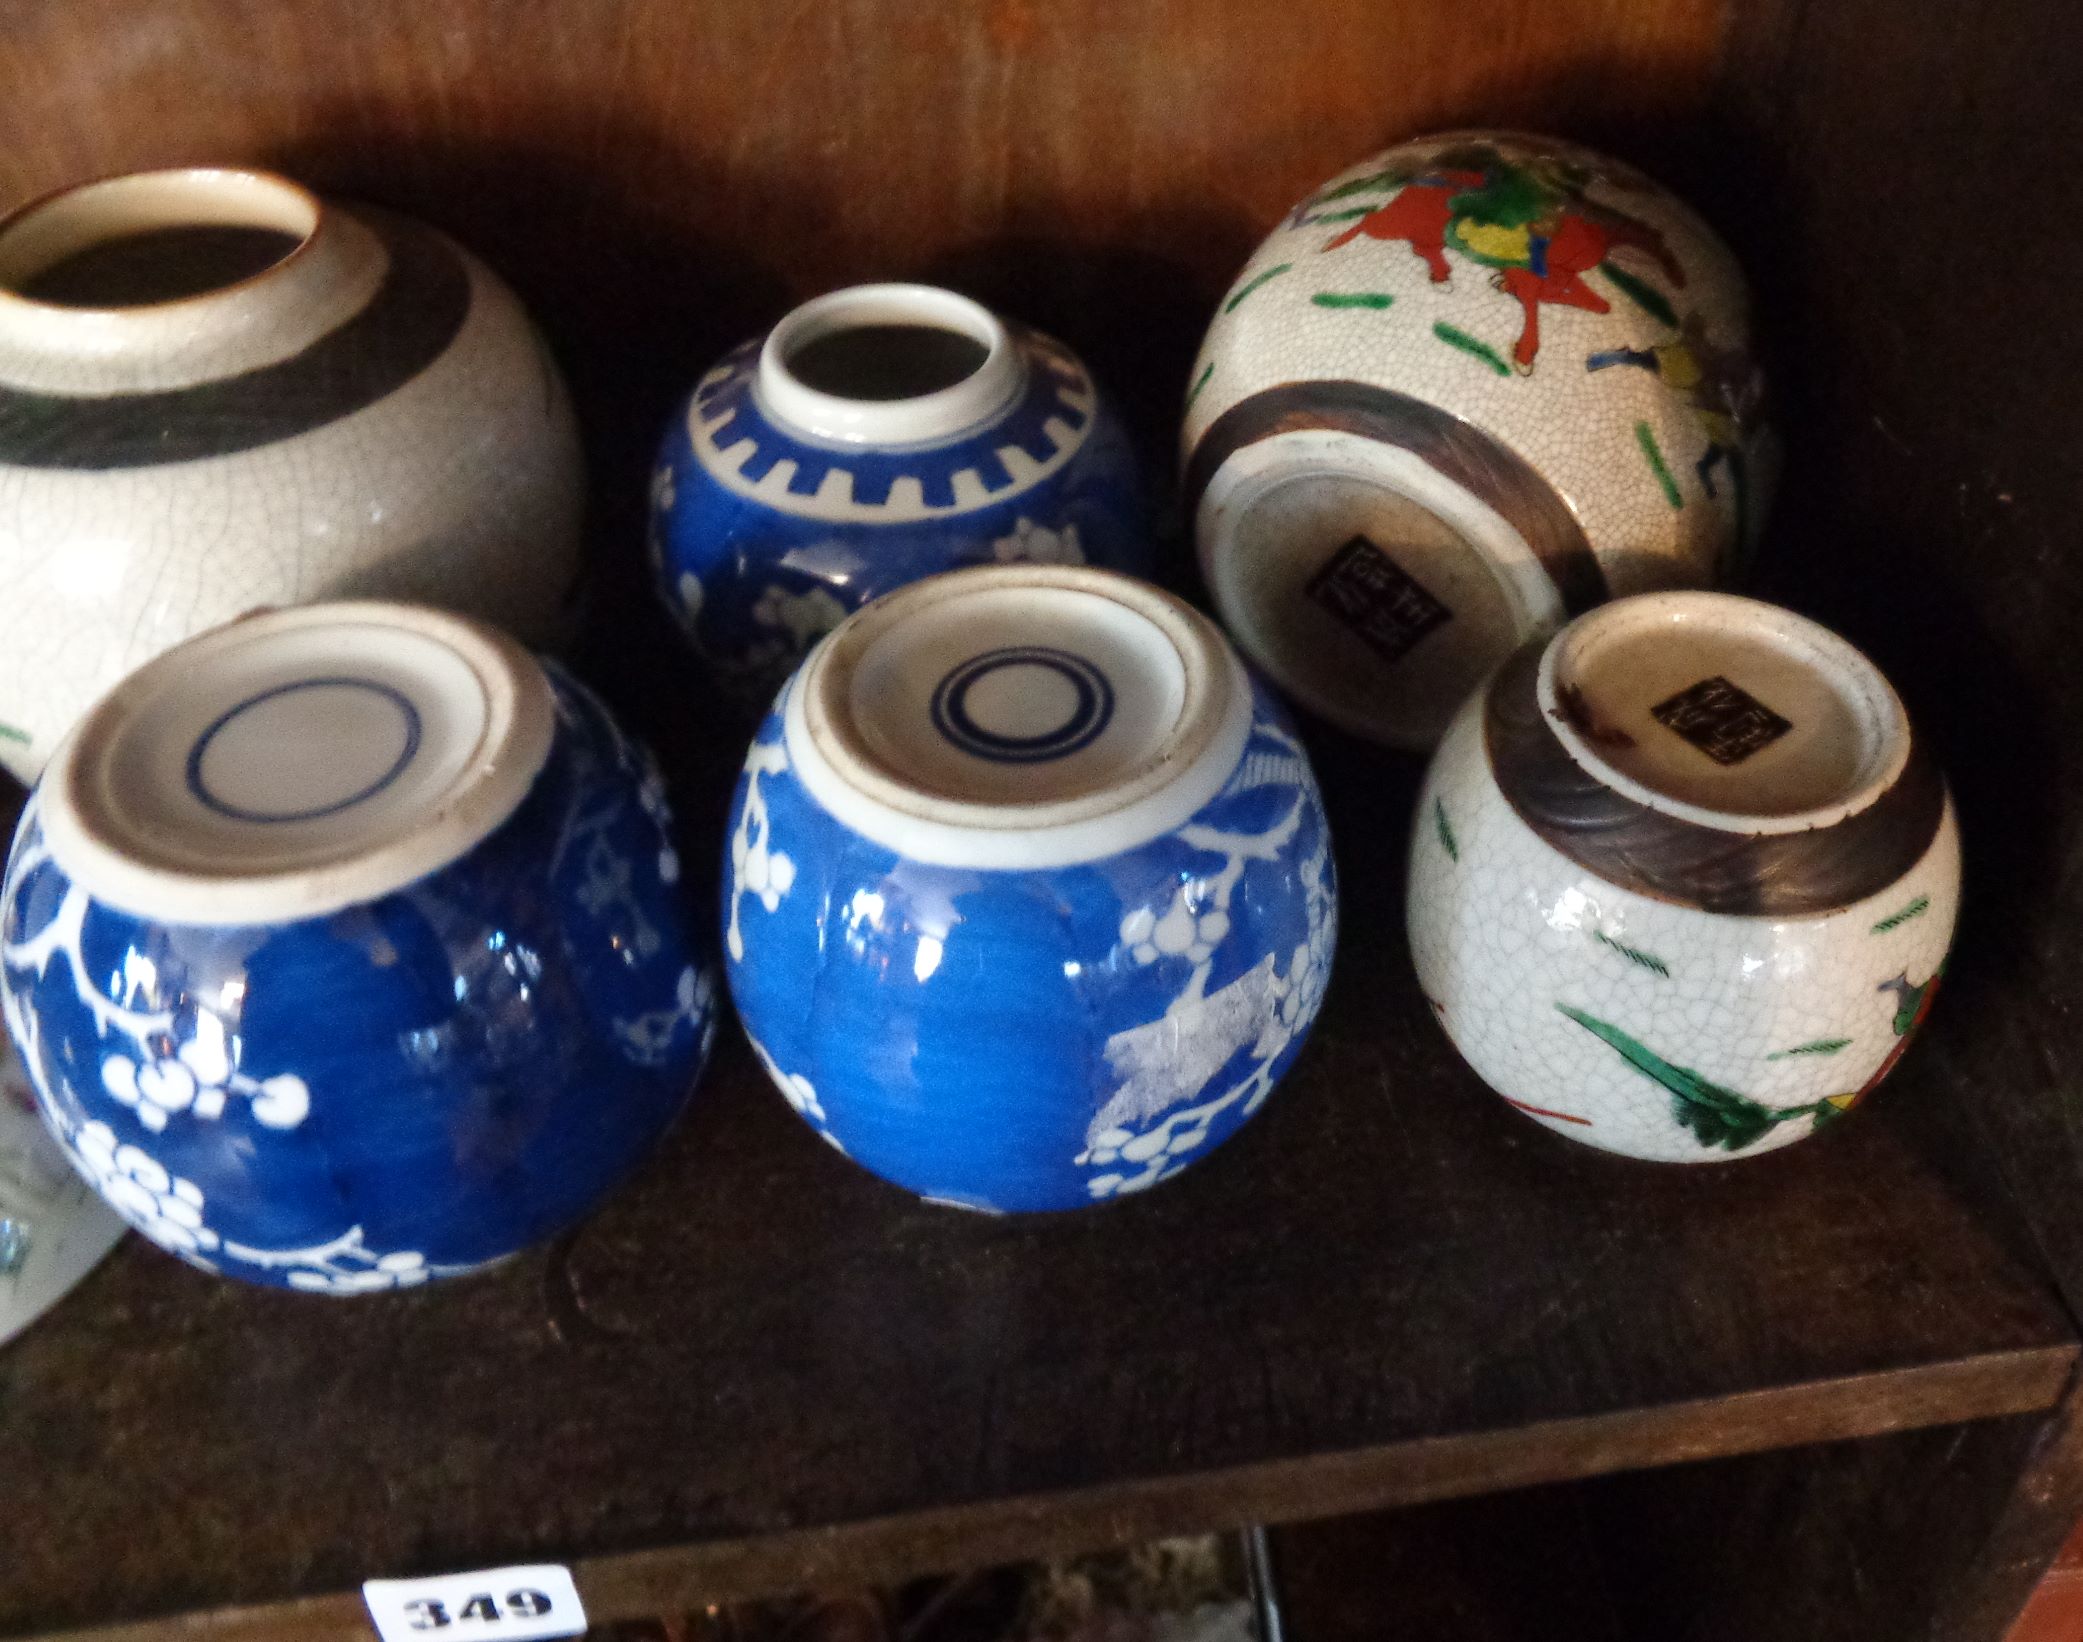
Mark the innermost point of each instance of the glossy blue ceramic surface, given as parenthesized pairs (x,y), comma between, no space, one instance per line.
(1030,1040)
(754,581)
(401,1090)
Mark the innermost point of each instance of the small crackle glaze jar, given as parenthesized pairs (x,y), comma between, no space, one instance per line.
(1470,387)
(1029,898)
(53,1229)
(345,948)
(877,435)
(219,392)
(1683,878)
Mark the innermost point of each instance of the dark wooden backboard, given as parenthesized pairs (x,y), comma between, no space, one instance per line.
(661,178)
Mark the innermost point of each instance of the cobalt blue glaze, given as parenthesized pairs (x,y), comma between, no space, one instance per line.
(754,581)
(401,1090)
(1016,1040)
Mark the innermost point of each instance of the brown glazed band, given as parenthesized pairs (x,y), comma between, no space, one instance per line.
(1766,875)
(415,313)
(1454,448)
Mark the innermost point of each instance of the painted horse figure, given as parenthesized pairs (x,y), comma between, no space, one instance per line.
(1530,222)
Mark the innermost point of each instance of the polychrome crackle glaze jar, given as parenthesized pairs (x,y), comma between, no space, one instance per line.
(876,435)
(344,945)
(218,392)
(53,1229)
(1683,878)
(1470,387)
(1029,901)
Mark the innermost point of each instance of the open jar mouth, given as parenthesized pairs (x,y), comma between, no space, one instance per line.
(1724,711)
(887,365)
(153,239)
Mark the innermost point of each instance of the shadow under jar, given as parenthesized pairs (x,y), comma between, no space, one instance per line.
(345,949)
(876,435)
(1029,900)
(220,392)
(1683,878)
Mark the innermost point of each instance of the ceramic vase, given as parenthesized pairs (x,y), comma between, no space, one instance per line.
(219,392)
(53,1229)
(1468,388)
(1029,896)
(876,435)
(345,949)
(1683,878)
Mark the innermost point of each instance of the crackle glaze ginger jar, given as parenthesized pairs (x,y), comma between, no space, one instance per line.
(1029,898)
(219,392)
(876,435)
(344,947)
(1470,387)
(1683,878)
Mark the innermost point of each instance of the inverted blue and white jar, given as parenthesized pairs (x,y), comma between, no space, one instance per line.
(344,948)
(1029,900)
(876,435)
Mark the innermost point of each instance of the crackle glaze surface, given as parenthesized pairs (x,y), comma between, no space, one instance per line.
(1513,315)
(405,1089)
(1013,1040)
(393,429)
(1644,1026)
(764,539)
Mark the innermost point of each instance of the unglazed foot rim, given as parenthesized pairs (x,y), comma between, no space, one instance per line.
(1780,640)
(297,762)
(1180,704)
(1480,583)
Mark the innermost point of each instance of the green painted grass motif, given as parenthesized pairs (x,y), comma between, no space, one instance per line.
(1643,295)
(1634,954)
(1655,458)
(1350,214)
(1352,299)
(1715,1115)
(1474,346)
(1821,1046)
(1916,909)
(1389,177)
(1447,841)
(1253,284)
(1199,383)
(9,733)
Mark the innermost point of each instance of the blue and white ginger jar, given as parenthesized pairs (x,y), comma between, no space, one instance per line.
(876,435)
(345,950)
(1029,900)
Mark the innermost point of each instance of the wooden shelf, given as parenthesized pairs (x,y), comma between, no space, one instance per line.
(759,1368)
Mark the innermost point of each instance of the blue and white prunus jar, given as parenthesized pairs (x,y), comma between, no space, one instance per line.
(876,435)
(345,949)
(1029,900)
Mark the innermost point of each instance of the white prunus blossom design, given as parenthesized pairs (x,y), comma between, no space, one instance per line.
(1145,1131)
(154,1075)
(1030,543)
(756,868)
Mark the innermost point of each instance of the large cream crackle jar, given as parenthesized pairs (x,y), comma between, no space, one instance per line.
(218,392)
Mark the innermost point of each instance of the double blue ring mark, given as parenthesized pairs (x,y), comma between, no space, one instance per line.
(1091,710)
(210,800)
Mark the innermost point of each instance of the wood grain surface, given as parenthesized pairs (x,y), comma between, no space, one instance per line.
(661,179)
